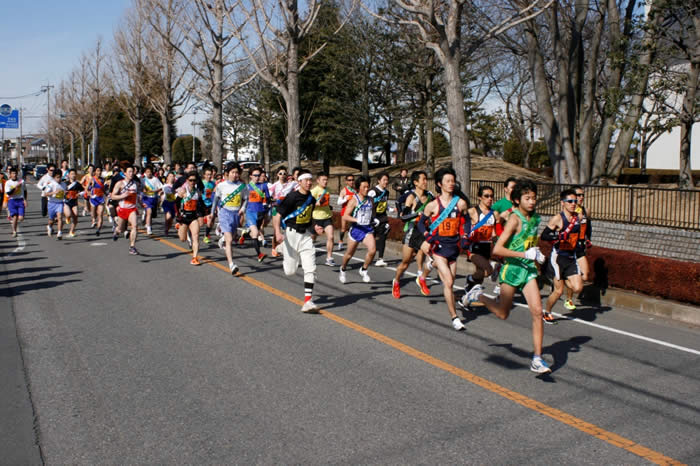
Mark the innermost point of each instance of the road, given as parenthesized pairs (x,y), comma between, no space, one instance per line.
(148,360)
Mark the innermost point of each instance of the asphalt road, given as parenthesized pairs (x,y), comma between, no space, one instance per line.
(148,360)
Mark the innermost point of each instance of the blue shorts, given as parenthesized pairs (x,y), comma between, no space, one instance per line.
(15,207)
(55,208)
(253,218)
(169,207)
(229,220)
(448,250)
(150,202)
(358,232)
(97,201)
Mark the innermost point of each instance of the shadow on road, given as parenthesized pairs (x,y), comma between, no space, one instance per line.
(559,352)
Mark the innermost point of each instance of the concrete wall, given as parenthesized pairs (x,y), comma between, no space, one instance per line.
(664,153)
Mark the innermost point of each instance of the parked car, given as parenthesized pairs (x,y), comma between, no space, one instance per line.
(40,170)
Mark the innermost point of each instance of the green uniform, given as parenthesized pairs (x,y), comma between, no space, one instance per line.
(517,271)
(502,205)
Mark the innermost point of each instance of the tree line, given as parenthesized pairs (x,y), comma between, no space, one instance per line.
(579,85)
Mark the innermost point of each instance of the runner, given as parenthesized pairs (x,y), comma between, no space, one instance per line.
(279,190)
(42,183)
(346,193)
(126,192)
(410,210)
(115,176)
(96,188)
(517,245)
(583,244)
(442,224)
(209,186)
(191,208)
(294,218)
(168,201)
(70,204)
(481,237)
(152,187)
(15,192)
(56,193)
(85,201)
(380,199)
(255,209)
(358,214)
(323,215)
(229,204)
(564,229)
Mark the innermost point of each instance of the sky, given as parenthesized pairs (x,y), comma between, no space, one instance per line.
(42,41)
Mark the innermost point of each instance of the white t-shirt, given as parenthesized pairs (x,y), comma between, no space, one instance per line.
(43,182)
(59,190)
(15,189)
(224,190)
(151,186)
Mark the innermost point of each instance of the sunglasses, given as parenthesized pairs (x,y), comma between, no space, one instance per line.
(349,179)
(281,174)
(192,180)
(255,175)
(488,196)
(579,195)
(570,201)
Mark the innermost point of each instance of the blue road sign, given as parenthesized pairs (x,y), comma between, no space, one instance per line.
(11,120)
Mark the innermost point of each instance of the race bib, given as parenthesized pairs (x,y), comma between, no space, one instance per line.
(449,227)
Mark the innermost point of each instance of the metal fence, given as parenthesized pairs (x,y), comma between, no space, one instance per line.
(666,207)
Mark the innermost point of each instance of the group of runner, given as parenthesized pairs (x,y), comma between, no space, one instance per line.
(500,238)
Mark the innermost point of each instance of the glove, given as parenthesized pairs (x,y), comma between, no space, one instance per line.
(534,254)
(375,222)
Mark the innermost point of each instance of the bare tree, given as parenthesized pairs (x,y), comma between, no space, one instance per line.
(98,84)
(270,32)
(76,105)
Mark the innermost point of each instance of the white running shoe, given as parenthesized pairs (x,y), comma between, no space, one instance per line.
(222,243)
(539,365)
(330,262)
(340,246)
(457,324)
(110,219)
(341,276)
(380,263)
(149,230)
(365,275)
(126,233)
(233,268)
(473,295)
(309,307)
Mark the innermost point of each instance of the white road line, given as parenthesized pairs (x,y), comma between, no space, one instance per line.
(21,244)
(573,319)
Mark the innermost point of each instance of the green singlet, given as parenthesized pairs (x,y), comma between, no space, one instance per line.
(502,205)
(517,271)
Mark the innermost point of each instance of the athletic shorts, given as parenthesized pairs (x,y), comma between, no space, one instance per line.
(358,232)
(516,275)
(416,240)
(187,217)
(168,207)
(253,218)
(229,220)
(71,203)
(97,201)
(114,204)
(449,251)
(150,202)
(323,223)
(563,265)
(124,213)
(55,208)
(15,207)
(482,249)
(206,210)
(407,235)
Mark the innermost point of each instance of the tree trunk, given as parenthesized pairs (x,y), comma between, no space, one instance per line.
(96,142)
(83,145)
(72,150)
(266,149)
(429,144)
(137,139)
(291,99)
(167,148)
(365,159)
(217,143)
(459,138)
(687,117)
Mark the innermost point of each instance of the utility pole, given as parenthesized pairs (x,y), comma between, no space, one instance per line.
(47,89)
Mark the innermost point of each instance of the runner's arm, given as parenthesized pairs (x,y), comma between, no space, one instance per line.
(509,230)
(348,211)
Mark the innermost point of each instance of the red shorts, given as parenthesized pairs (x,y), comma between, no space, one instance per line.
(124,213)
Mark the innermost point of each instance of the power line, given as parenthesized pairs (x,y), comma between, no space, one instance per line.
(34,94)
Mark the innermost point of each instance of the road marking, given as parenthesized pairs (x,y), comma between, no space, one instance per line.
(98,244)
(573,319)
(21,244)
(558,415)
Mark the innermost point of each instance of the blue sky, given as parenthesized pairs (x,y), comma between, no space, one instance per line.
(42,42)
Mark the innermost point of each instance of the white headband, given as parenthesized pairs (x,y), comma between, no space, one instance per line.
(305,176)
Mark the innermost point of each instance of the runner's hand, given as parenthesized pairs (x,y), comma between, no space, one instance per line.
(534,254)
(279,237)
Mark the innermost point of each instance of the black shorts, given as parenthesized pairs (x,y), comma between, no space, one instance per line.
(482,249)
(563,266)
(71,203)
(187,218)
(449,251)
(416,240)
(323,223)
(114,204)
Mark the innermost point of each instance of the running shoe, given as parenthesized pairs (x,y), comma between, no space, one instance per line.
(341,276)
(340,246)
(222,243)
(473,295)
(207,240)
(365,275)
(380,263)
(59,235)
(92,225)
(424,290)
(233,268)
(126,234)
(133,251)
(395,289)
(261,256)
(548,318)
(330,262)
(569,304)
(539,365)
(458,325)
(469,284)
(274,252)
(84,213)
(49,230)
(194,261)
(115,237)
(110,219)
(309,307)
(71,235)
(149,231)
(241,240)
(14,234)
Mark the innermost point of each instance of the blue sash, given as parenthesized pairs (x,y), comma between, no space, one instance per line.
(445,213)
(299,210)
(482,222)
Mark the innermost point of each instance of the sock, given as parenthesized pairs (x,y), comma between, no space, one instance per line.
(257,246)
(342,236)
(308,289)
(419,273)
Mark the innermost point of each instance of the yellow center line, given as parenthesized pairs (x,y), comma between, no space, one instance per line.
(561,416)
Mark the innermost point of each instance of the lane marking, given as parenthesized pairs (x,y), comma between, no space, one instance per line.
(534,405)
(572,319)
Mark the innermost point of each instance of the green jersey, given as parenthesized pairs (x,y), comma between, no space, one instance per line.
(518,271)
(502,205)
